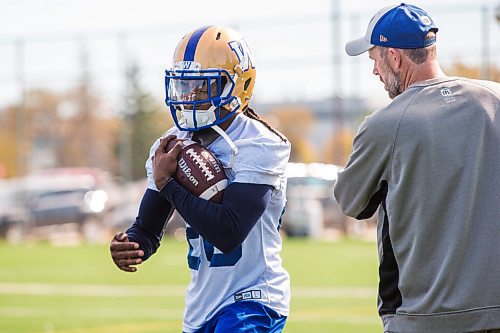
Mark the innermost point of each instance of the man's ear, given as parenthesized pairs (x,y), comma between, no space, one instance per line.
(395,57)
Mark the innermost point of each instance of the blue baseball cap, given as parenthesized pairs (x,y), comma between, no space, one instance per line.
(401,27)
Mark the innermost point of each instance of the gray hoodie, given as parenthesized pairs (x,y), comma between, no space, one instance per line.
(431,161)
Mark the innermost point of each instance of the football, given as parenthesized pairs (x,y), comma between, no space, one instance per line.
(199,171)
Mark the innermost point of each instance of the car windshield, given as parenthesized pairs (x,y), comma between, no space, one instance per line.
(60,198)
(311,187)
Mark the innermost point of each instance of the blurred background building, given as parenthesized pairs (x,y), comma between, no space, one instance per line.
(82,87)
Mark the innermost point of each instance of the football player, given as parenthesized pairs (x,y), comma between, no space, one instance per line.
(238,283)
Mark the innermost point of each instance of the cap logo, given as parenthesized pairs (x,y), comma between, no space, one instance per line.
(425,20)
(383,38)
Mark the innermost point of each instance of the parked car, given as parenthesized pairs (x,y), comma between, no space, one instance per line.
(82,196)
(127,207)
(70,205)
(311,206)
(13,214)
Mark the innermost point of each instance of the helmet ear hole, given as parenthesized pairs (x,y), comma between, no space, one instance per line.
(247,83)
(223,82)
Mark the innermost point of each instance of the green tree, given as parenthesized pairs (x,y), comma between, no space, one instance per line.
(338,147)
(296,123)
(54,130)
(474,72)
(144,120)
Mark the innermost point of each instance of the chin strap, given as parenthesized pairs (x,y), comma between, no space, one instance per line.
(234,149)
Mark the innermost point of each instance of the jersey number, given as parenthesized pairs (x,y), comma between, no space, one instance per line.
(215,259)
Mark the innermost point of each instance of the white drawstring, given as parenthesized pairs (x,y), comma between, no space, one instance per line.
(234,149)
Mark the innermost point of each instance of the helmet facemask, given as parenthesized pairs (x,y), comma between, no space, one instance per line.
(198,95)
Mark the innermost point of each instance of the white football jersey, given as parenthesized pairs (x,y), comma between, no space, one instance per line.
(254,270)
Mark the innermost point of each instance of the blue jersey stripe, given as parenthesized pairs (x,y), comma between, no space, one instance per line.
(192,43)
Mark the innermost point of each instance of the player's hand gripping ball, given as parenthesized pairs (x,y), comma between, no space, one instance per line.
(199,171)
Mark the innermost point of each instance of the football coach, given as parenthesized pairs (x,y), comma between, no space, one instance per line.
(429,162)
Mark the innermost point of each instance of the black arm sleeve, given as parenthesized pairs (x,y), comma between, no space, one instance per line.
(147,229)
(224,225)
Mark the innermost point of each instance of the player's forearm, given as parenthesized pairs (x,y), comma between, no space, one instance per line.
(147,229)
(224,225)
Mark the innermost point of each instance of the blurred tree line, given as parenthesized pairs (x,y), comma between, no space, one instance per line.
(49,129)
(474,72)
(298,123)
(74,129)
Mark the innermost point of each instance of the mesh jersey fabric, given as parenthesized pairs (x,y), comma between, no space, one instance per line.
(254,270)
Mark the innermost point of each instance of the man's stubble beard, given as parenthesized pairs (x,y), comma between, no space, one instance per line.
(393,83)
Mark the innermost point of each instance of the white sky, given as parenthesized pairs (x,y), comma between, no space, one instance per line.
(292,42)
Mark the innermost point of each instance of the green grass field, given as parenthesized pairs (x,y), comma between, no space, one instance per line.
(47,289)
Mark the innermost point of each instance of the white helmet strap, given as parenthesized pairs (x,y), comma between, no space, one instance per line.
(230,142)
